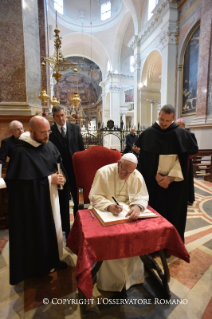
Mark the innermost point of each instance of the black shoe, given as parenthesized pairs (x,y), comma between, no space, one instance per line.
(61,265)
(121,294)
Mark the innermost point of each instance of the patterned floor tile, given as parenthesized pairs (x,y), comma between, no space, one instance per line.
(189,274)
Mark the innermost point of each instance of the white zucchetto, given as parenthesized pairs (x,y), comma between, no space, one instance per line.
(130,157)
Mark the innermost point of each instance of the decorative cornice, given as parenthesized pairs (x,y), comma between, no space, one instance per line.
(134,42)
(151,24)
(152,101)
(168,36)
(199,120)
(130,87)
(114,88)
(119,75)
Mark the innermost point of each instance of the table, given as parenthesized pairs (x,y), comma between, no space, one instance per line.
(92,243)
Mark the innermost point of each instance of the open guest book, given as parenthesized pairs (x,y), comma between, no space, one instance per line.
(107,218)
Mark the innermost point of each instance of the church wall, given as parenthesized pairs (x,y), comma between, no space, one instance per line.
(12,63)
(190,14)
(20,56)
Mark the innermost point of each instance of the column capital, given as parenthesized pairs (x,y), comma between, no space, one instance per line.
(114,88)
(168,36)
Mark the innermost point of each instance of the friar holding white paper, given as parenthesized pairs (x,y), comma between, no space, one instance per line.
(123,182)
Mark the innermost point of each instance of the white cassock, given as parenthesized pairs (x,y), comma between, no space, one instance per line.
(118,273)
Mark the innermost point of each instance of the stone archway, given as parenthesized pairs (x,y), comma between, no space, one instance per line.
(150,88)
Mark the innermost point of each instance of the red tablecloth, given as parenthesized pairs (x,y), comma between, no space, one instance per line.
(92,242)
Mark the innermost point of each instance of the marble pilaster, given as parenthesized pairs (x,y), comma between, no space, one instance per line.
(203,67)
(12,63)
(20,40)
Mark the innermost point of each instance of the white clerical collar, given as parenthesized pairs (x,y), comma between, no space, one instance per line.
(26,138)
(59,127)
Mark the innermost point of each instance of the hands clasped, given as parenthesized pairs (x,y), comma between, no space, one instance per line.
(163,181)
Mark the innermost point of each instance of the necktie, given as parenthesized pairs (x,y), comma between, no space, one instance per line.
(63,131)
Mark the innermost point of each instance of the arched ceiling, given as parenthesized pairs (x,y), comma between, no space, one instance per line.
(86,13)
(152,69)
(101,41)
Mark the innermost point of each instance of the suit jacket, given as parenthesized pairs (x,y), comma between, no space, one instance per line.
(7,147)
(74,137)
(130,140)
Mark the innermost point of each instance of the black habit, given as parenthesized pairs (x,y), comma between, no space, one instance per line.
(32,234)
(7,147)
(171,203)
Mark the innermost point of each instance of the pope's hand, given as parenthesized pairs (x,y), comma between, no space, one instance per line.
(133,213)
(57,179)
(115,209)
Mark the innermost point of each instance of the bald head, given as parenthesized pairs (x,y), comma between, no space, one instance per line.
(180,122)
(39,129)
(132,131)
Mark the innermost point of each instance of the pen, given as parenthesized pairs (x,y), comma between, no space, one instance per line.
(117,203)
(91,214)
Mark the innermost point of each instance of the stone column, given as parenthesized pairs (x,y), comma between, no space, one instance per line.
(168,50)
(124,120)
(135,45)
(179,90)
(20,57)
(114,89)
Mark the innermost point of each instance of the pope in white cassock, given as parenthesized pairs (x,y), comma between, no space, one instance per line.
(127,185)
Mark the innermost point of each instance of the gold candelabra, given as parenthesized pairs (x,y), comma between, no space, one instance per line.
(57,62)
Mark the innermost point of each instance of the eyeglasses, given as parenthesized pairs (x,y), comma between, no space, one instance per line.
(124,171)
(45,132)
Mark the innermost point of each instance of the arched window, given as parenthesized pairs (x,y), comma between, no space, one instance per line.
(131,63)
(108,65)
(106,10)
(58,5)
(152,4)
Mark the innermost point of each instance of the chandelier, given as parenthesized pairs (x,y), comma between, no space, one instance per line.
(57,62)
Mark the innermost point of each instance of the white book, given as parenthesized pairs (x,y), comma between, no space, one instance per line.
(107,218)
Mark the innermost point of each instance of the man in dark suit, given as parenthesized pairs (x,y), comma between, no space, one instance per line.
(130,141)
(8,144)
(68,139)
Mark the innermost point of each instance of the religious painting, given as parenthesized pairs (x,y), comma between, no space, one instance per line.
(63,97)
(190,75)
(85,82)
(129,95)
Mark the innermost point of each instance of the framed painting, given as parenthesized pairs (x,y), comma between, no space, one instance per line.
(129,95)
(190,74)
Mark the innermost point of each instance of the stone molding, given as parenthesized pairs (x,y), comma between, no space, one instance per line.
(152,23)
(119,75)
(15,108)
(114,88)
